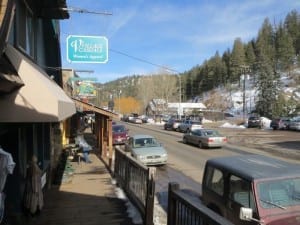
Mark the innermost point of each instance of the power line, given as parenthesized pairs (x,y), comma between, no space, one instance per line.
(129,56)
(144,60)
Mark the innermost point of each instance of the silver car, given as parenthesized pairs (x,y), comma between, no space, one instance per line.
(205,138)
(295,124)
(189,125)
(147,150)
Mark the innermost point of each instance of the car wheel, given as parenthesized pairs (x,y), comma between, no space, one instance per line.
(200,144)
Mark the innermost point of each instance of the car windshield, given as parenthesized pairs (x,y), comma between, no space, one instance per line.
(145,142)
(118,129)
(279,193)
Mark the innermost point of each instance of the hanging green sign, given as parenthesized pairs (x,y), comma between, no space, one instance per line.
(87,49)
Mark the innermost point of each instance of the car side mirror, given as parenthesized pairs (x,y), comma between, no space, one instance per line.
(246,214)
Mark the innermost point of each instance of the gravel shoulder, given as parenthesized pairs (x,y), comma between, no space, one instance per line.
(278,142)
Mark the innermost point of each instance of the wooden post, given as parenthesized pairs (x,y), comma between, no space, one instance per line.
(103,139)
(150,198)
(171,209)
(110,145)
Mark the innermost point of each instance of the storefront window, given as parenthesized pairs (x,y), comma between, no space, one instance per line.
(25,26)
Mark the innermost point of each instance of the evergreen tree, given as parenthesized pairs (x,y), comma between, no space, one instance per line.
(189,93)
(265,88)
(206,73)
(226,61)
(219,70)
(292,23)
(237,59)
(279,106)
(285,52)
(250,57)
(268,80)
(266,41)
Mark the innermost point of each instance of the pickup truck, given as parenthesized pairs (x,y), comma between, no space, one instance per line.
(189,125)
(253,189)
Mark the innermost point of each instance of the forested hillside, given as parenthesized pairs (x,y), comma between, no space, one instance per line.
(275,51)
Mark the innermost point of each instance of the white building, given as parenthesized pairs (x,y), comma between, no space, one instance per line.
(159,106)
(185,108)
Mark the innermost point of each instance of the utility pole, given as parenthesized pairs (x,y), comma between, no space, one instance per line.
(245,69)
(120,92)
(179,106)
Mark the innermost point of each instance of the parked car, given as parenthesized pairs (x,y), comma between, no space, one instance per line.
(147,119)
(172,124)
(282,123)
(252,189)
(119,134)
(205,138)
(147,150)
(125,118)
(136,120)
(188,125)
(295,124)
(254,121)
(131,117)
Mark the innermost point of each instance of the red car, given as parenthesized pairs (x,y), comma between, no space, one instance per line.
(120,134)
(253,189)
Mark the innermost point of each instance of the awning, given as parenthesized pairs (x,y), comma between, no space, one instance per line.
(49,9)
(83,106)
(39,100)
(9,78)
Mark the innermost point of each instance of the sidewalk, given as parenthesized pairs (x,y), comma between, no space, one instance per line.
(88,199)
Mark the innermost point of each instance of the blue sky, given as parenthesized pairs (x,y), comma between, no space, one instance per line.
(146,34)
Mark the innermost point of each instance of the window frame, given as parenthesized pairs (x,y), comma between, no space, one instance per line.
(26,24)
(209,177)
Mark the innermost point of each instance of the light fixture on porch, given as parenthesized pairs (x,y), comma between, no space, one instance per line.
(79,10)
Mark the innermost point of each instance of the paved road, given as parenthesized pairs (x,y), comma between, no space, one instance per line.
(186,163)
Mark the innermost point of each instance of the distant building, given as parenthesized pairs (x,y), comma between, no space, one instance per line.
(160,106)
(185,108)
(156,107)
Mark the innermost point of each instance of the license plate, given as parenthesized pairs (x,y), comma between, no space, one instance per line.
(218,140)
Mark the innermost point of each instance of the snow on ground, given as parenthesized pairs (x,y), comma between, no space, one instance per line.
(265,124)
(237,100)
(160,215)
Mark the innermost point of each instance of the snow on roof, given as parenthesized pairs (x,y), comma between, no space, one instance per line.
(195,105)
